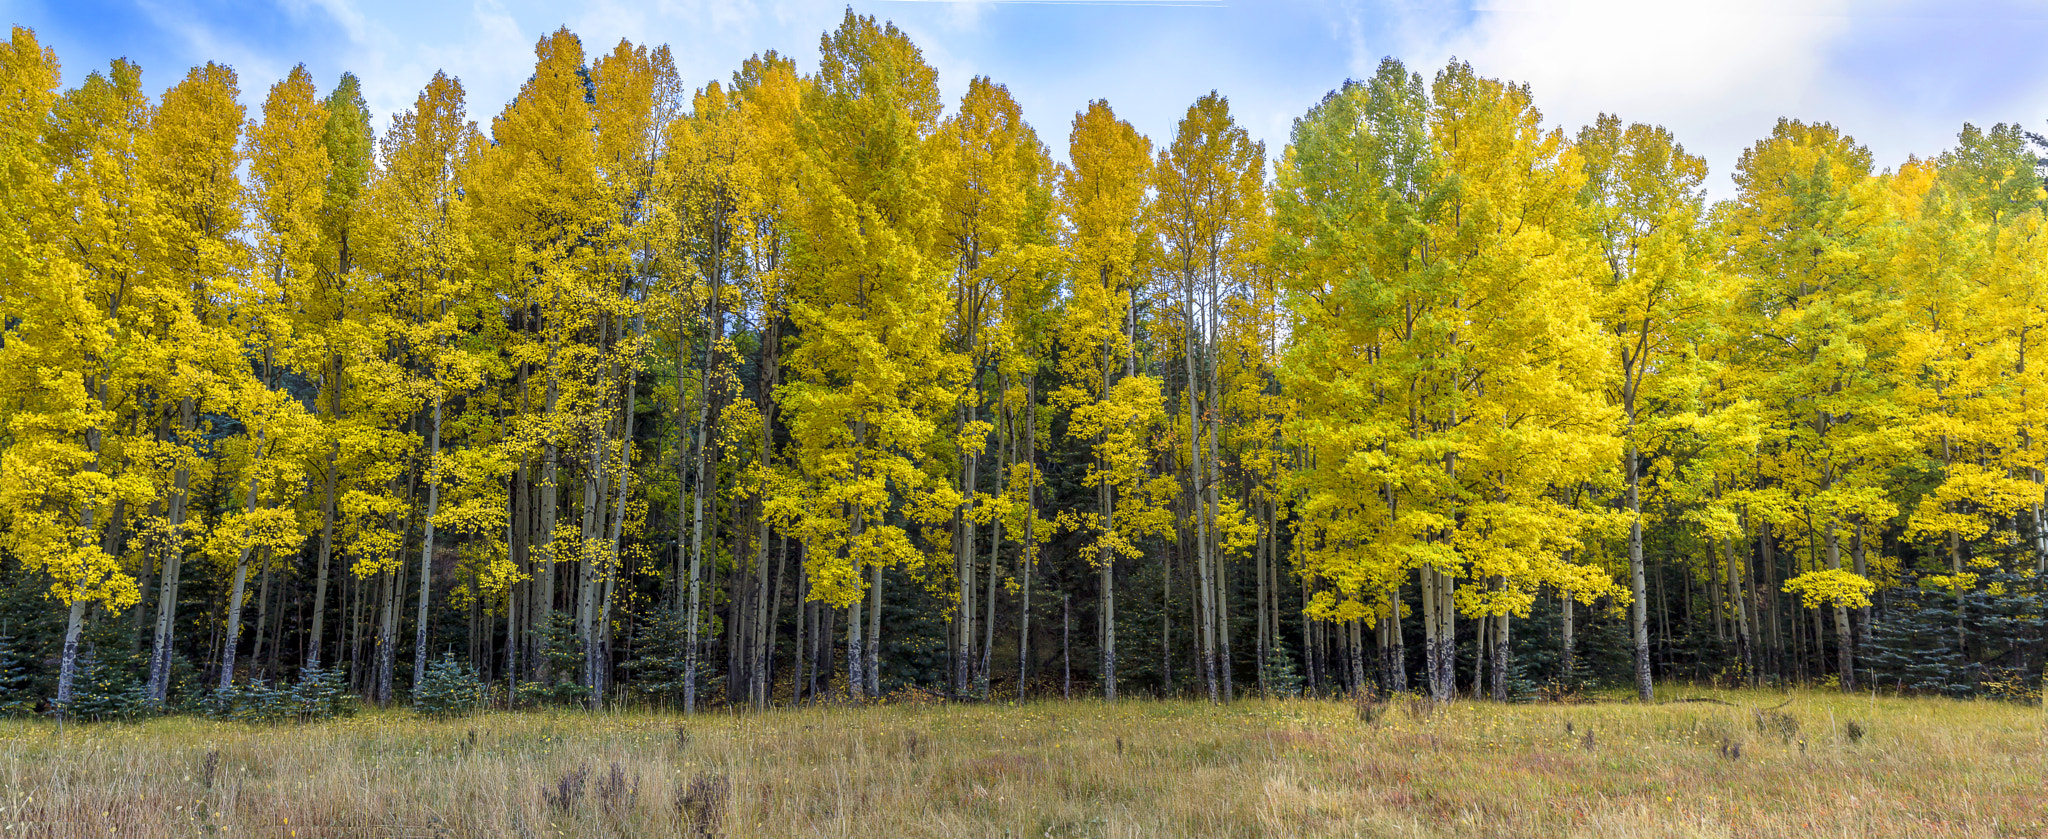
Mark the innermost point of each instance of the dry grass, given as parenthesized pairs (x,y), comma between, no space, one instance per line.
(1920,768)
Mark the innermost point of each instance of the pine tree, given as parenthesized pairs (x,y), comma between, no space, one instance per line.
(16,682)
(447,689)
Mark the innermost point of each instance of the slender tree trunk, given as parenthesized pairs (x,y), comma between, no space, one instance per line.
(873,667)
(262,614)
(67,671)
(764,676)
(234,616)
(800,660)
(856,681)
(387,633)
(963,560)
(596,489)
(1196,476)
(329,485)
(1214,467)
(143,585)
(1166,616)
(1639,626)
(857,660)
(1030,556)
(174,552)
(988,619)
(1768,549)
(1735,561)
(516,540)
(1393,653)
(1440,623)
(1845,645)
(419,641)
(692,617)
(822,621)
(352,631)
(1860,632)
(1264,642)
(1106,622)
(1500,657)
(1356,653)
(1480,650)
(1310,681)
(1066,647)
(550,507)
(1224,661)
(1568,663)
(1004,455)
(74,622)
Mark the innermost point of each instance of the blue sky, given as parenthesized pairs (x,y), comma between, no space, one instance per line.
(1901,76)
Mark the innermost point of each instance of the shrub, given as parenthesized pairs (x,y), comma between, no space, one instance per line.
(319,694)
(563,654)
(107,688)
(17,696)
(658,662)
(448,688)
(254,701)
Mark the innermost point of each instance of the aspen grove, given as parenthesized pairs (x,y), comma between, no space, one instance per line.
(802,387)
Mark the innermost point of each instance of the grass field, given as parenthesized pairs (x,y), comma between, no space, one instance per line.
(1823,764)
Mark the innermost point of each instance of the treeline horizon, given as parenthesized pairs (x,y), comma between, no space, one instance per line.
(801,387)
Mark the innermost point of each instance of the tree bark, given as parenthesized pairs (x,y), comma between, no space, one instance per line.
(419,642)
(1500,657)
(1196,476)
(1440,636)
(1030,556)
(329,485)
(873,667)
(234,616)
(1845,645)
(1639,626)
(174,552)
(67,671)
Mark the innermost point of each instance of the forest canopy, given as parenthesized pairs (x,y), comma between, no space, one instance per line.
(802,386)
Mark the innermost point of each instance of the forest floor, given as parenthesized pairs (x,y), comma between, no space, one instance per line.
(1728,763)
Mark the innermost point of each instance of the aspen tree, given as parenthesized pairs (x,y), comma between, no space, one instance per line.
(1206,222)
(624,88)
(771,94)
(990,169)
(1116,410)
(1802,230)
(1644,207)
(542,203)
(1965,264)
(867,378)
(1438,408)
(55,483)
(324,333)
(195,255)
(95,140)
(288,171)
(703,192)
(417,243)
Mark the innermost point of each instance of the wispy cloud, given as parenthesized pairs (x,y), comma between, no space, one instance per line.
(1901,75)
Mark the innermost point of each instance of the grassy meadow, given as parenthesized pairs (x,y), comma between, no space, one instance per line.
(1762,764)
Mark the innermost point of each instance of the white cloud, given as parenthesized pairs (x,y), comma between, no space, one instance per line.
(1717,73)
(1899,75)
(341,12)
